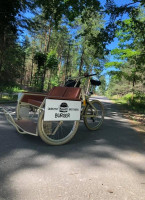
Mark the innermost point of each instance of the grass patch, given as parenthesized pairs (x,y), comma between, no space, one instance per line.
(8,98)
(10,94)
(135,103)
(11,90)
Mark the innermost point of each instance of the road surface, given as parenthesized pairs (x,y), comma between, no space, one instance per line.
(108,164)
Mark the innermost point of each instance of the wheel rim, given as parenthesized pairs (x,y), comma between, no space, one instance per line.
(94,117)
(58,133)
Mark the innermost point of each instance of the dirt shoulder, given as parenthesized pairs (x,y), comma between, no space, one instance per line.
(137,120)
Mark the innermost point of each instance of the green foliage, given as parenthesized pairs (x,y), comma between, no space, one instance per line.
(125,53)
(134,103)
(8,94)
(69,37)
(102,87)
(11,15)
(8,98)
(116,12)
(11,54)
(11,66)
(51,61)
(118,86)
(54,31)
(45,63)
(113,64)
(130,63)
(11,90)
(55,81)
(40,59)
(56,9)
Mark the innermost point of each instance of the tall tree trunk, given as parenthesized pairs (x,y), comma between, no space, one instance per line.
(133,81)
(2,49)
(81,63)
(23,73)
(1,62)
(49,35)
(88,86)
(32,66)
(42,81)
(59,68)
(88,83)
(133,85)
(41,45)
(49,81)
(45,42)
(67,62)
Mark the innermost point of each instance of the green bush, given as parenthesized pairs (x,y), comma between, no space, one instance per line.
(11,90)
(134,102)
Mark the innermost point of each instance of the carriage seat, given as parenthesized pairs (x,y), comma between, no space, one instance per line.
(64,93)
(60,93)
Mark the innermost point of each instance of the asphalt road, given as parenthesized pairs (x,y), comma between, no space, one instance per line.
(106,164)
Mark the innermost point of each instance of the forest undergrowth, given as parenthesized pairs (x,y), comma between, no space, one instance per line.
(132,109)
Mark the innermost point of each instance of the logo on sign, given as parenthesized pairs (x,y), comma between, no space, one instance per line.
(63,107)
